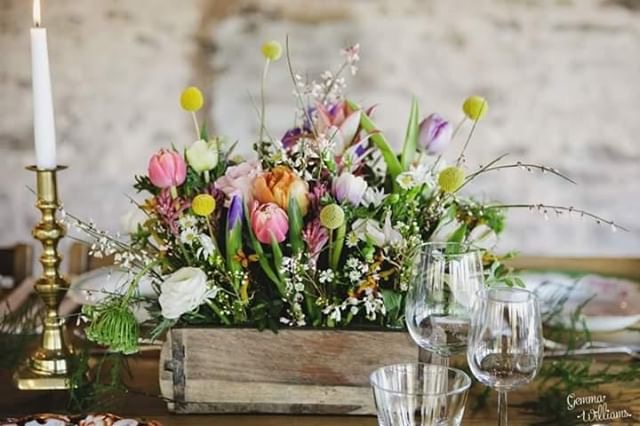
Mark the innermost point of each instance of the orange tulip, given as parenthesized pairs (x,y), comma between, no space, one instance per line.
(277,185)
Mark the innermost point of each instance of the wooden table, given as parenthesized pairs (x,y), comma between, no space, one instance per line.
(145,381)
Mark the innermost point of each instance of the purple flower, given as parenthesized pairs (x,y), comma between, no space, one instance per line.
(234,215)
(291,137)
(434,134)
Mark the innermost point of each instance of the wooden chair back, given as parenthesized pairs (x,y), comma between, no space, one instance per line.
(80,261)
(16,262)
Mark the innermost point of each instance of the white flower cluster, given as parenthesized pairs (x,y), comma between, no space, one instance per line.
(352,57)
(190,235)
(104,245)
(327,91)
(292,269)
(356,269)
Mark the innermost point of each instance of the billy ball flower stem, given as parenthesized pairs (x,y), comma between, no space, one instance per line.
(195,124)
(262,98)
(272,52)
(192,100)
(475,108)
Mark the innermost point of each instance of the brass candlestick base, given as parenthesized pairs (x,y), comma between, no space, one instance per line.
(48,366)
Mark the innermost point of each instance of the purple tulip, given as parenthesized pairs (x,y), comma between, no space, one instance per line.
(434,134)
(348,187)
(234,215)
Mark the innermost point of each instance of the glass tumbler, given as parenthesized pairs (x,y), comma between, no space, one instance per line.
(417,394)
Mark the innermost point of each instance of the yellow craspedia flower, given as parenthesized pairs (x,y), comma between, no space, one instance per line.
(203,204)
(191,99)
(451,179)
(332,216)
(475,107)
(272,50)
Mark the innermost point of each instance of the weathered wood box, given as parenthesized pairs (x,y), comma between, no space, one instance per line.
(309,371)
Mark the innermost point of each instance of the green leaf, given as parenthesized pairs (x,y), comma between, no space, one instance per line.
(204,134)
(411,138)
(233,244)
(394,168)
(295,227)
(459,234)
(277,256)
(392,302)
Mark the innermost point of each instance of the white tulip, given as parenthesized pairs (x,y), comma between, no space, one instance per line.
(183,291)
(203,156)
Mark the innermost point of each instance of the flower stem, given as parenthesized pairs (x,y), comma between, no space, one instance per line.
(195,123)
(218,312)
(262,100)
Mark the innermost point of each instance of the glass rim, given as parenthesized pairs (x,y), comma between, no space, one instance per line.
(485,294)
(458,390)
(469,247)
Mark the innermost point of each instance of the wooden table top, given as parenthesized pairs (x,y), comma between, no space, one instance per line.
(145,381)
(144,403)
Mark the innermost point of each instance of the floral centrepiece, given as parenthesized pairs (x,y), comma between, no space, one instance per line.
(319,231)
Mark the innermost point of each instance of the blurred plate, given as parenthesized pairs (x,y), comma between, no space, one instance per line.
(94,286)
(610,304)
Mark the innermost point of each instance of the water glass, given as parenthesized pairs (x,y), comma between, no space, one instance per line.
(505,341)
(446,279)
(417,394)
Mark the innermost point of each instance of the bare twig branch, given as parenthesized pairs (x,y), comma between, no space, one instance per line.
(559,210)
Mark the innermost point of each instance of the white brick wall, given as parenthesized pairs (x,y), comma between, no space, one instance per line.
(562,79)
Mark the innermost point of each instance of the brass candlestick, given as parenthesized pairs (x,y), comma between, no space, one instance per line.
(48,366)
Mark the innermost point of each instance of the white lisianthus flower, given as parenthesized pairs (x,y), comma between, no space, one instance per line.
(203,156)
(183,291)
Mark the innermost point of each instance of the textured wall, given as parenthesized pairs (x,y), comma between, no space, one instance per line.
(562,78)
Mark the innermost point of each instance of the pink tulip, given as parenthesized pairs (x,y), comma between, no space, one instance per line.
(269,222)
(167,169)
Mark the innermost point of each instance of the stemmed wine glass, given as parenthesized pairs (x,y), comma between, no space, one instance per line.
(505,341)
(445,281)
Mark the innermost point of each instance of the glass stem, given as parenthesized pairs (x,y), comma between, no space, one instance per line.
(502,408)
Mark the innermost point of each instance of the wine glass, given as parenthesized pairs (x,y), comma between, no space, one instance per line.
(445,281)
(418,394)
(505,341)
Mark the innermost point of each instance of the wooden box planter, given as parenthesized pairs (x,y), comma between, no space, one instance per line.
(304,371)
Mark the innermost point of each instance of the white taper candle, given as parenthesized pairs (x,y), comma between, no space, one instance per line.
(43,121)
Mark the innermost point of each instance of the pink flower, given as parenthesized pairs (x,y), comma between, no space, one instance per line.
(238,180)
(316,194)
(269,222)
(169,209)
(167,169)
(316,236)
(339,124)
